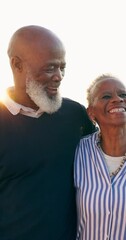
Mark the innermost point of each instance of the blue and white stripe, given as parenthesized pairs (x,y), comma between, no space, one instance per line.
(101,201)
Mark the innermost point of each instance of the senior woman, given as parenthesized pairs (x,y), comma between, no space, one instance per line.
(100,164)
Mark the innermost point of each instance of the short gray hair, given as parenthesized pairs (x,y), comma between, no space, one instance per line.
(91,89)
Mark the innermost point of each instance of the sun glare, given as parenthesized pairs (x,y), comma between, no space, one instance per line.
(2,94)
(94,39)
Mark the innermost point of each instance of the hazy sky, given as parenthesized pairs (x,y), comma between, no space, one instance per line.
(93,32)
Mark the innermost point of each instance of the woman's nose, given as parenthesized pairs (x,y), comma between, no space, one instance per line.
(117,98)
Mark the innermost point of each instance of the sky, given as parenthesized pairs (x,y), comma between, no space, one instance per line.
(93,32)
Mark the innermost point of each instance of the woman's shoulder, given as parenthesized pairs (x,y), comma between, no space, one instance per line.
(90,138)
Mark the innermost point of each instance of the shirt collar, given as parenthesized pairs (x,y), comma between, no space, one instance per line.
(16,108)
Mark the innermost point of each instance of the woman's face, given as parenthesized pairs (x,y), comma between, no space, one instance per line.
(109,103)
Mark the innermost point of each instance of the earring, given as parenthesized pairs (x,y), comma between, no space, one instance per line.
(94,122)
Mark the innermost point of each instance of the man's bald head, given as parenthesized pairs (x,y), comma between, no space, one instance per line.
(32,37)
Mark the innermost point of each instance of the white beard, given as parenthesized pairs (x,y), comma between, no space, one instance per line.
(39,96)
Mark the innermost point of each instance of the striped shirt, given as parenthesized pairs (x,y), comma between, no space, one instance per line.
(101,200)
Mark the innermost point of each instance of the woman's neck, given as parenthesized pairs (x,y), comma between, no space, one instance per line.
(113,143)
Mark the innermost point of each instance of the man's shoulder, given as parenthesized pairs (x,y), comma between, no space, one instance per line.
(2,106)
(73,109)
(69,100)
(72,103)
(3,110)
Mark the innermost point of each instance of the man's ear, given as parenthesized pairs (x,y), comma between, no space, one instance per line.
(16,63)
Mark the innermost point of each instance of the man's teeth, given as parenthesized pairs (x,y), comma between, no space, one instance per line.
(117,110)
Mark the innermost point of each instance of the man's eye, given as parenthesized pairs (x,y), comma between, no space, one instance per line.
(50,69)
(62,68)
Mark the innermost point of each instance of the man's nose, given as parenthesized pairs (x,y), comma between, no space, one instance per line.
(58,75)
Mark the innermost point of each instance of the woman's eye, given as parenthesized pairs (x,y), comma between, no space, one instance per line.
(123,95)
(106,97)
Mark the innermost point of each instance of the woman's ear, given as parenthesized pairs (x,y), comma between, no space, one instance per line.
(90,113)
(16,63)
